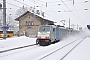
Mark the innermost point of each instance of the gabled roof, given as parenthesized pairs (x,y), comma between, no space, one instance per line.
(17,19)
(21,15)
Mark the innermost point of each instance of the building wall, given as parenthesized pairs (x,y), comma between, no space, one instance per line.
(29,29)
(32,28)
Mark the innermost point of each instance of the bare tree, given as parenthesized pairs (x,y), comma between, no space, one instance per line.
(21,11)
(31,9)
(10,19)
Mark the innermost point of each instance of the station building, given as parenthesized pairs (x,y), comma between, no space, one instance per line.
(29,23)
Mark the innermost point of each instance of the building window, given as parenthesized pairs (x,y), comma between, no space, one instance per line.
(26,23)
(28,16)
(29,23)
(32,23)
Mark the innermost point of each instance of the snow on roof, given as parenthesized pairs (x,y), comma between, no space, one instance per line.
(17,19)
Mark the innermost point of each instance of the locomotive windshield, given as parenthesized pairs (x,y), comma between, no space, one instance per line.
(44,28)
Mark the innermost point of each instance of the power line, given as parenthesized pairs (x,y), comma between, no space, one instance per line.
(13,5)
(49,9)
(64,1)
(80,2)
(22,3)
(77,11)
(52,1)
(16,5)
(78,14)
(53,15)
(29,6)
(70,10)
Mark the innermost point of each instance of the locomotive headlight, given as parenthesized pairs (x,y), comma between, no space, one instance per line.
(39,37)
(47,37)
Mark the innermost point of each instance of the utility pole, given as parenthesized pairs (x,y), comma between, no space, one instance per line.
(69,27)
(77,26)
(4,18)
(69,23)
(0,12)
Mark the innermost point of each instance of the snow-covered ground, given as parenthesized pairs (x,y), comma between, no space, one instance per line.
(81,52)
(16,42)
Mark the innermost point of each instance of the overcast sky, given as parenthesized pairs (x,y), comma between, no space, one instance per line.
(75,12)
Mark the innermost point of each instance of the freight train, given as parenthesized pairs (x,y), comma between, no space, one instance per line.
(48,34)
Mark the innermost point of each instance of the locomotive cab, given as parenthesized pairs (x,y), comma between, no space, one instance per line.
(46,35)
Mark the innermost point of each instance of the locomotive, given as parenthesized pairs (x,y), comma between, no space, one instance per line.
(48,34)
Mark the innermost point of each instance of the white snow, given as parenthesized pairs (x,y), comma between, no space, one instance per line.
(81,52)
(16,42)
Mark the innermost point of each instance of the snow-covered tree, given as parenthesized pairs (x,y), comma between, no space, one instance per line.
(21,11)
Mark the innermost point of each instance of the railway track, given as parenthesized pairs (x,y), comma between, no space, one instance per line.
(64,47)
(72,49)
(16,48)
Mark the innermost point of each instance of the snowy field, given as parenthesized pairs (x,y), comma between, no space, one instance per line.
(81,52)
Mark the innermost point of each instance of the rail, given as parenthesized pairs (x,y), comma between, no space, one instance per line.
(62,48)
(17,48)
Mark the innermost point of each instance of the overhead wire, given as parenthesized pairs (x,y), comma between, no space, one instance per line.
(63,1)
(37,2)
(78,14)
(51,10)
(76,11)
(44,5)
(22,3)
(18,2)
(79,3)
(71,11)
(52,1)
(13,5)
(53,15)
